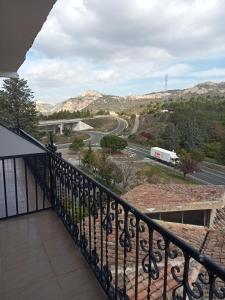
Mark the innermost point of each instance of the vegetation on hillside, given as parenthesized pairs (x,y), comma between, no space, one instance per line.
(195,124)
(65,114)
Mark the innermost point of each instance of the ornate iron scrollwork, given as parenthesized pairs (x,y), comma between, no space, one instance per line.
(107,223)
(80,201)
(94,258)
(150,260)
(126,236)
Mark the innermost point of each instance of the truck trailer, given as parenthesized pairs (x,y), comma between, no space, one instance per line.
(165,156)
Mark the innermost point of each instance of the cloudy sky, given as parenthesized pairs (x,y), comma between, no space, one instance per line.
(126,47)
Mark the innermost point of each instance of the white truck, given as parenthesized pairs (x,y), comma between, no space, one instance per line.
(164,155)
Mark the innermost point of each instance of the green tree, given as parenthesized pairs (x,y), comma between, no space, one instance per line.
(108,170)
(105,169)
(198,155)
(67,131)
(221,154)
(113,143)
(190,134)
(212,150)
(18,110)
(89,158)
(76,144)
(171,137)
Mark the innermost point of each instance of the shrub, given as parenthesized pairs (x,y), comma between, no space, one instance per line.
(198,155)
(76,144)
(113,143)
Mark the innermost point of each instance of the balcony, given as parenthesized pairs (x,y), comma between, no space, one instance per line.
(40,261)
(59,227)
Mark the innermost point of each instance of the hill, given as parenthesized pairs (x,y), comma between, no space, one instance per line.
(95,101)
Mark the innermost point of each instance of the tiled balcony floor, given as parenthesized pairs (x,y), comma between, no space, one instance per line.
(39,261)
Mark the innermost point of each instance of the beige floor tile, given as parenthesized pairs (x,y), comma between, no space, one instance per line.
(42,262)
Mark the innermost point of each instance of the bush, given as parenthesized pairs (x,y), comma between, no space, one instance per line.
(76,144)
(212,150)
(221,153)
(148,135)
(113,143)
(198,155)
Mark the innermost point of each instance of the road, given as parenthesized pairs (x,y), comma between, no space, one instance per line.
(205,174)
(96,136)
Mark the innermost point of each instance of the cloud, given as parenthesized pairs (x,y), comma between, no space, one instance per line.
(107,44)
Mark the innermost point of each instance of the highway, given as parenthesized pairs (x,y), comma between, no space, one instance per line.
(205,174)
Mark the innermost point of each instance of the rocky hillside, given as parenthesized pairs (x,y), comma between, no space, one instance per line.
(78,103)
(43,107)
(95,101)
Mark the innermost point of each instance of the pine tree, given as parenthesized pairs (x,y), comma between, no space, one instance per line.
(18,109)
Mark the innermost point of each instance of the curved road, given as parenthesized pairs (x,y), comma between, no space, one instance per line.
(96,136)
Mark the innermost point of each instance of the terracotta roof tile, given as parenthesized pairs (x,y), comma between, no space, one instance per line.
(213,245)
(215,242)
(174,197)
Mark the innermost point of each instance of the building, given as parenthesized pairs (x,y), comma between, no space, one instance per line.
(195,213)
(52,215)
(180,203)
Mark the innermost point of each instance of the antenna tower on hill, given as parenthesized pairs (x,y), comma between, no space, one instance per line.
(166,82)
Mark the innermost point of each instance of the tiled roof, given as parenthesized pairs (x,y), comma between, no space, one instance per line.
(193,235)
(190,233)
(215,242)
(210,241)
(174,197)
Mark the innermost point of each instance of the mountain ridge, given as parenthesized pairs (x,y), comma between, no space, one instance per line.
(94,100)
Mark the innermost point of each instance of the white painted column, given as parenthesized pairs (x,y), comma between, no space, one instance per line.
(61,128)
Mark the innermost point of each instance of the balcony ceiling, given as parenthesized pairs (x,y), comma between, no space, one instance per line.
(20,22)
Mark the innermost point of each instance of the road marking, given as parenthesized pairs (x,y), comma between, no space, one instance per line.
(134,149)
(216,171)
(214,174)
(210,178)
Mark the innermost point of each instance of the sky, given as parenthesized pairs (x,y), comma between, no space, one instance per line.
(126,47)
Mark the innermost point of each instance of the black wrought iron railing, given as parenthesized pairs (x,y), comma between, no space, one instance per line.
(132,256)
(21,191)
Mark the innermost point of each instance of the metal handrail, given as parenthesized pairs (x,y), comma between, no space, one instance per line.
(93,215)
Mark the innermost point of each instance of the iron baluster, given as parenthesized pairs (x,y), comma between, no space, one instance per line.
(5,192)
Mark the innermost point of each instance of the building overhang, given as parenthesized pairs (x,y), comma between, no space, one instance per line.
(20,22)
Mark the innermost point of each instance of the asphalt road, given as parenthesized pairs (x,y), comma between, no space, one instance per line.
(205,174)
(96,136)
